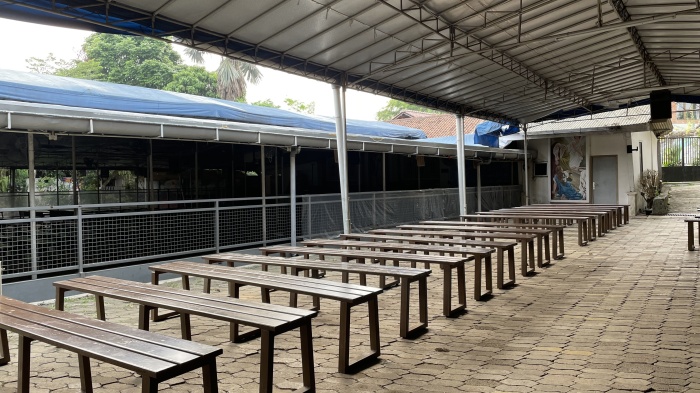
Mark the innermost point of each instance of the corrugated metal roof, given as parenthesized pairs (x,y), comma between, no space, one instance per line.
(502,59)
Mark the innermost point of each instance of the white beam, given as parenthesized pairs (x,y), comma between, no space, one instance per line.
(526,176)
(461,184)
(293,193)
(341,137)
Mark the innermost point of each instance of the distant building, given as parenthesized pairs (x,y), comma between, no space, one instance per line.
(434,125)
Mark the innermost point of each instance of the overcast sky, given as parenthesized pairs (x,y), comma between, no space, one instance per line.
(24,40)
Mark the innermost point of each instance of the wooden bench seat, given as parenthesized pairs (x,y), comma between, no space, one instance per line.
(502,248)
(594,222)
(527,242)
(349,295)
(447,263)
(614,214)
(543,255)
(605,217)
(583,223)
(691,236)
(557,230)
(154,357)
(296,265)
(268,320)
(482,256)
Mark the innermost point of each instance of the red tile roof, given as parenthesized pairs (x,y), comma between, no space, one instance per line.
(436,126)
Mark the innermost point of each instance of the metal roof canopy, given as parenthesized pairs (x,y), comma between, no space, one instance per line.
(512,60)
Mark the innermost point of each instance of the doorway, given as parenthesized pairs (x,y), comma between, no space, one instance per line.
(604,179)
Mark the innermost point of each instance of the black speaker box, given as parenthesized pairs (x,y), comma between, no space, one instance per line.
(660,104)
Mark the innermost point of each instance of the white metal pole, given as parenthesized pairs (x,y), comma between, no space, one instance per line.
(478,187)
(526,177)
(32,201)
(263,194)
(460,166)
(74,173)
(342,155)
(150,172)
(293,193)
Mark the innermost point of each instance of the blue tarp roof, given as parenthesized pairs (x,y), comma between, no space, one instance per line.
(56,90)
(469,140)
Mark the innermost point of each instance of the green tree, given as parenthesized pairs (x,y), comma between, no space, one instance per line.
(48,65)
(394,107)
(232,75)
(194,80)
(300,106)
(267,103)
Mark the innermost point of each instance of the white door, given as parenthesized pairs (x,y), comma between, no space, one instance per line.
(604,179)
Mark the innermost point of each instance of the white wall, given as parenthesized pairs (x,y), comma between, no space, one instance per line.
(602,145)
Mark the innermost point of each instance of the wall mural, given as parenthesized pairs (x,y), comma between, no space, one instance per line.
(569,174)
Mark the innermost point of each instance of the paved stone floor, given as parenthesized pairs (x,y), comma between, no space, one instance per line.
(618,315)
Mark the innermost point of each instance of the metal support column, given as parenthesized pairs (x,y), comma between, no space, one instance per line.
(32,201)
(196,170)
(526,176)
(149,181)
(461,170)
(478,187)
(339,103)
(74,172)
(293,193)
(263,194)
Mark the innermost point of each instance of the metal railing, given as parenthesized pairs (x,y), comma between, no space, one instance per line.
(680,151)
(75,238)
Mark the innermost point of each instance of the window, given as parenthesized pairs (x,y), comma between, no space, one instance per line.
(687,111)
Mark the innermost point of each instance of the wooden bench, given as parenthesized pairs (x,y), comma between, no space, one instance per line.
(691,235)
(268,320)
(541,234)
(447,263)
(154,357)
(594,218)
(606,217)
(622,212)
(521,217)
(527,242)
(557,230)
(407,276)
(482,256)
(502,248)
(349,295)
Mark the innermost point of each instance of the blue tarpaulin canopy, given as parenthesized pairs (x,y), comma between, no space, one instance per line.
(50,89)
(485,134)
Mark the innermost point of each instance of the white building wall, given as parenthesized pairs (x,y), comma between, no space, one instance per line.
(628,164)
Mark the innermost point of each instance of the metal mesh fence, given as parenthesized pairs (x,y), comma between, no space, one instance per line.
(75,237)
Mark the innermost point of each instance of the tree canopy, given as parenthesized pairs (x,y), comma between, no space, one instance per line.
(394,107)
(131,60)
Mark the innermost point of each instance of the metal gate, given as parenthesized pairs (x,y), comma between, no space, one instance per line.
(680,158)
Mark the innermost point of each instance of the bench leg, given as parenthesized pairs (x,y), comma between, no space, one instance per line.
(478,295)
(307,358)
(209,377)
(267,352)
(155,280)
(149,385)
(499,268)
(344,365)
(4,348)
(691,237)
(447,309)
(547,255)
(100,305)
(85,373)
(404,330)
(185,327)
(23,359)
(524,269)
(539,251)
(234,334)
(60,299)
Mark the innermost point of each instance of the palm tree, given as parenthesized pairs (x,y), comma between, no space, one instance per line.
(233,76)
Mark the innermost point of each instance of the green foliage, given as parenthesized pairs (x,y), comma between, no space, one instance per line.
(672,156)
(394,107)
(649,186)
(299,106)
(48,65)
(194,80)
(88,69)
(267,103)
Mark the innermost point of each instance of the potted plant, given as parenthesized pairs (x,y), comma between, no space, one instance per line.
(649,188)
